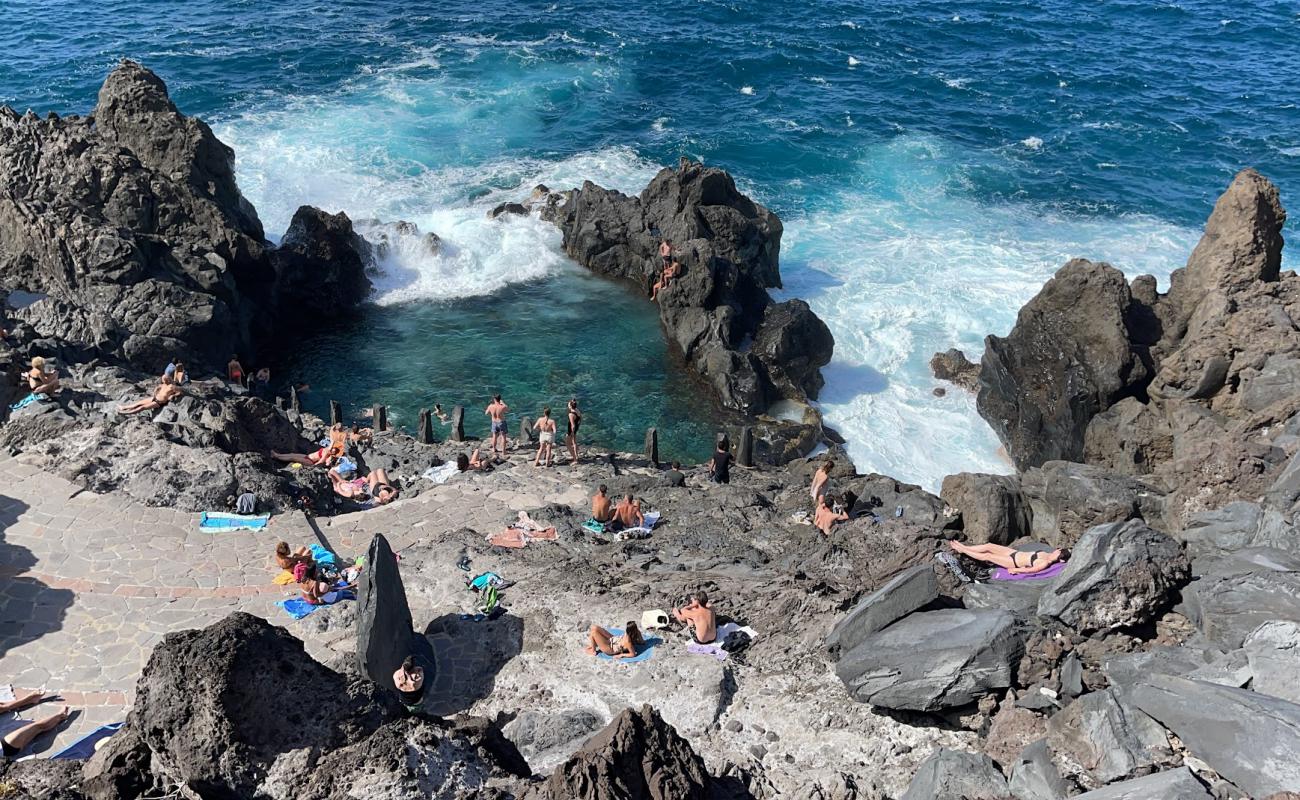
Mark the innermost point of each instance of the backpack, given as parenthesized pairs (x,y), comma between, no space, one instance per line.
(246,504)
(736,641)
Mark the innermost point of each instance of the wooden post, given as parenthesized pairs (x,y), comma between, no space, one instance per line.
(745,451)
(652,446)
(336,412)
(526,430)
(381,417)
(458,424)
(426,427)
(294,403)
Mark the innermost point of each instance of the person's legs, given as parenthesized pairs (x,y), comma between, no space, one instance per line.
(22,737)
(599,639)
(537,460)
(293,458)
(989,553)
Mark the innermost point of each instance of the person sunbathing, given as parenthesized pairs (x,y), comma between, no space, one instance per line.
(665,279)
(326,455)
(627,514)
(626,646)
(827,516)
(602,510)
(288,560)
(18,733)
(373,490)
(311,583)
(166,392)
(1016,562)
(40,380)
(465,463)
(699,617)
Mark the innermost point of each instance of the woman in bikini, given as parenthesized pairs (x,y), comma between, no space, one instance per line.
(39,381)
(288,559)
(1016,562)
(465,463)
(625,646)
(575,422)
(16,733)
(373,490)
(545,428)
(166,392)
(325,456)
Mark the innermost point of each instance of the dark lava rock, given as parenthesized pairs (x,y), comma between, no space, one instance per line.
(903,594)
(1234,596)
(793,344)
(1251,739)
(953,366)
(321,267)
(992,507)
(1035,777)
(1067,498)
(1175,784)
(957,775)
(1069,356)
(1107,739)
(512,209)
(637,756)
(385,636)
(1118,575)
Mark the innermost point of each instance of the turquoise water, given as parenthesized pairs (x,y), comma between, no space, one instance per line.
(933,162)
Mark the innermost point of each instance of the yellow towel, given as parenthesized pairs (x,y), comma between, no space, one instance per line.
(284,578)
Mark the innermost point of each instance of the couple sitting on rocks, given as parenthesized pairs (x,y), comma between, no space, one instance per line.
(696,615)
(627,514)
(314,580)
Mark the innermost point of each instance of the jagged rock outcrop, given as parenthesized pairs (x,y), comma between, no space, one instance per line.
(728,246)
(1074,352)
(1175,784)
(322,258)
(992,507)
(906,592)
(384,633)
(129,226)
(953,366)
(957,775)
(1065,499)
(1108,740)
(637,756)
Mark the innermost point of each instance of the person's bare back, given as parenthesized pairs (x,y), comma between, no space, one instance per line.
(701,619)
(601,507)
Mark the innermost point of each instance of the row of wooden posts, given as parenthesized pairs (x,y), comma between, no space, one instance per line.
(424,432)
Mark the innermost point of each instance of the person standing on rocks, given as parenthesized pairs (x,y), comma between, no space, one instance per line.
(496,411)
(235,370)
(821,482)
(545,427)
(720,464)
(575,422)
(409,680)
(666,252)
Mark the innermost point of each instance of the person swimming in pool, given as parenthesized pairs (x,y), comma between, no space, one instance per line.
(629,645)
(545,427)
(496,411)
(1016,562)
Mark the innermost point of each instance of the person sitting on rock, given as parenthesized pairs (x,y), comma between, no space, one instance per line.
(326,455)
(1016,562)
(699,617)
(166,392)
(826,515)
(409,680)
(602,510)
(287,560)
(626,646)
(665,279)
(627,514)
(465,463)
(311,582)
(176,371)
(373,490)
(235,371)
(361,435)
(674,477)
(41,381)
(15,733)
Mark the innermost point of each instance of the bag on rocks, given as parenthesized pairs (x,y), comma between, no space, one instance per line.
(736,641)
(246,504)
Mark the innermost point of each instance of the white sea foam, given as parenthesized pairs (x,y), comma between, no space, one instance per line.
(848,23)
(1033,143)
(853,62)
(1294,152)
(956,83)
(747,90)
(660,124)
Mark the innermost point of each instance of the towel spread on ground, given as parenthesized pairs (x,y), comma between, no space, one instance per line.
(28,400)
(714,648)
(323,557)
(298,607)
(85,746)
(594,526)
(518,537)
(646,651)
(651,520)
(284,578)
(215,521)
(1001,574)
(440,474)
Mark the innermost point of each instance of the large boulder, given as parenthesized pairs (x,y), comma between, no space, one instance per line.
(1273,655)
(992,507)
(637,756)
(1175,784)
(904,593)
(1118,575)
(956,775)
(320,267)
(1237,525)
(933,660)
(1251,739)
(953,366)
(1071,354)
(1035,777)
(384,633)
(1108,740)
(793,344)
(1234,596)
(1066,499)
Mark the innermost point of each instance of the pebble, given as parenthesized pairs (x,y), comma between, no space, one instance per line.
(772,737)
(758,751)
(734,726)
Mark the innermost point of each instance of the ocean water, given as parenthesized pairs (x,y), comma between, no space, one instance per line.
(933,163)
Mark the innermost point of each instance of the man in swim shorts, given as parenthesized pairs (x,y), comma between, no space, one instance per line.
(496,411)
(701,619)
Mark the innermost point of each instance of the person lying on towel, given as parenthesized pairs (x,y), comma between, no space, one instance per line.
(1016,562)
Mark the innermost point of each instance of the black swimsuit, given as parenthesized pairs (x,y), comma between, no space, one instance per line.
(1015,564)
(575,422)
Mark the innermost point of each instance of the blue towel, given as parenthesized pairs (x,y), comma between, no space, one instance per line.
(323,557)
(646,651)
(27,401)
(85,746)
(215,521)
(651,520)
(298,608)
(483,580)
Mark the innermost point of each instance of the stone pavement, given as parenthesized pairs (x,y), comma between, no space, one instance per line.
(89,583)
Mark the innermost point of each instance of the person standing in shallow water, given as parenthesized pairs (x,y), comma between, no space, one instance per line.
(571,437)
(496,411)
(545,427)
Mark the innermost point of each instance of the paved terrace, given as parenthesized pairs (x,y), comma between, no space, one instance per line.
(89,583)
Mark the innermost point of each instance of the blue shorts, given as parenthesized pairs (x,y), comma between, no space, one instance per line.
(498,426)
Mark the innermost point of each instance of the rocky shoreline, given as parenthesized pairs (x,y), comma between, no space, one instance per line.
(1156,436)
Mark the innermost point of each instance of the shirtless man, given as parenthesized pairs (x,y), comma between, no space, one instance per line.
(409,681)
(826,517)
(166,392)
(602,510)
(16,734)
(701,619)
(545,427)
(627,514)
(496,411)
(665,279)
(666,252)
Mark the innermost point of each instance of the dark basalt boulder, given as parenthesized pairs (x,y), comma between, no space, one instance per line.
(906,592)
(1233,596)
(719,306)
(957,775)
(1066,499)
(637,756)
(992,507)
(384,630)
(953,366)
(320,267)
(1107,739)
(1118,575)
(1072,353)
(1175,784)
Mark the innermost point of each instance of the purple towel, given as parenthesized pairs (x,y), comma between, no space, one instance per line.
(1001,574)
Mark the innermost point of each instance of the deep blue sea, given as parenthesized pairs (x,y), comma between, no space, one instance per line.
(933,163)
